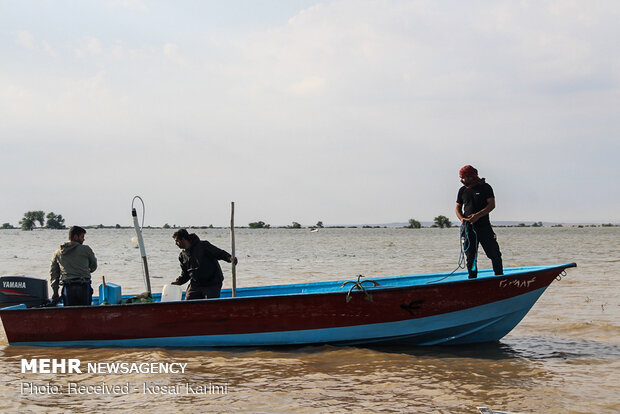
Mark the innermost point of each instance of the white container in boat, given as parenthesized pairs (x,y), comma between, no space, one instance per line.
(171,293)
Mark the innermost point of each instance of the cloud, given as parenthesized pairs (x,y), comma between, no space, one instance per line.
(347,103)
(308,86)
(173,53)
(25,38)
(88,46)
(133,5)
(48,49)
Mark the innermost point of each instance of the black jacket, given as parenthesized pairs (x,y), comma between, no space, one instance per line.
(200,263)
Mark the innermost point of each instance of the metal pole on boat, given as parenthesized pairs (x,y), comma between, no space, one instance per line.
(134,215)
(232,242)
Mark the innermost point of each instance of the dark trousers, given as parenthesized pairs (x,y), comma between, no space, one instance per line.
(77,294)
(203,292)
(487,238)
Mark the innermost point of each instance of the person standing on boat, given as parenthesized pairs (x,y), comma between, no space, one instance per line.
(71,267)
(199,263)
(474,202)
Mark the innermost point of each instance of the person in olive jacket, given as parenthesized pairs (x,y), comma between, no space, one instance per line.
(71,267)
(199,265)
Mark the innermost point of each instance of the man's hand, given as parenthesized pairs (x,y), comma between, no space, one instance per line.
(233,260)
(473,218)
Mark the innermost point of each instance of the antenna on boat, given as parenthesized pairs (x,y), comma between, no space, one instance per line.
(134,215)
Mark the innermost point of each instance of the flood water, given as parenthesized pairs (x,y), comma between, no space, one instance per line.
(564,357)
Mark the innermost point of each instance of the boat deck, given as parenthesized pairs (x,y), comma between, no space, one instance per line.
(385,282)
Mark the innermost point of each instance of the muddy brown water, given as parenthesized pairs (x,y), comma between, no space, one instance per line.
(564,357)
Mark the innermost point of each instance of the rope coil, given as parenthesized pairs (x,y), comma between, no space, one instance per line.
(465,244)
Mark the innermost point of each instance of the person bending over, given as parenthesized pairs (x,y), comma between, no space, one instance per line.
(199,265)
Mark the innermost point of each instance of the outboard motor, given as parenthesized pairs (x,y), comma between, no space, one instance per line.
(30,291)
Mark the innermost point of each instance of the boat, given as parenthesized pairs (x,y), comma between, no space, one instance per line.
(423,309)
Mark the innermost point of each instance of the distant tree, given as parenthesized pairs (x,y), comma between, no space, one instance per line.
(295,225)
(537,224)
(319,224)
(55,221)
(7,226)
(442,221)
(257,225)
(118,226)
(414,224)
(27,224)
(166,226)
(30,219)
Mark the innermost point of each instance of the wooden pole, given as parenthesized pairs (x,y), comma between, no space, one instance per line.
(232,242)
(147,280)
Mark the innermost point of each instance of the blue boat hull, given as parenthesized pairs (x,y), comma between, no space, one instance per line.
(322,318)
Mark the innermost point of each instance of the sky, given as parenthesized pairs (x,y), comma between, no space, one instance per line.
(344,111)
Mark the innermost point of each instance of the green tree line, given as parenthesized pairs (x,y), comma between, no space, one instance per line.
(439,221)
(31,218)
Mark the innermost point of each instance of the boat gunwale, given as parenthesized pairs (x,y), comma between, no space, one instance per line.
(374,289)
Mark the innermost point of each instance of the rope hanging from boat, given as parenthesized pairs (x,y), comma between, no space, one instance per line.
(358,286)
(465,244)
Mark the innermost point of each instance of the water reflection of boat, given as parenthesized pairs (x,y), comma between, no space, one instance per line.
(486,410)
(427,309)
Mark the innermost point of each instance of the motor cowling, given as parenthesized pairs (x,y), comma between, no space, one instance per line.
(30,291)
